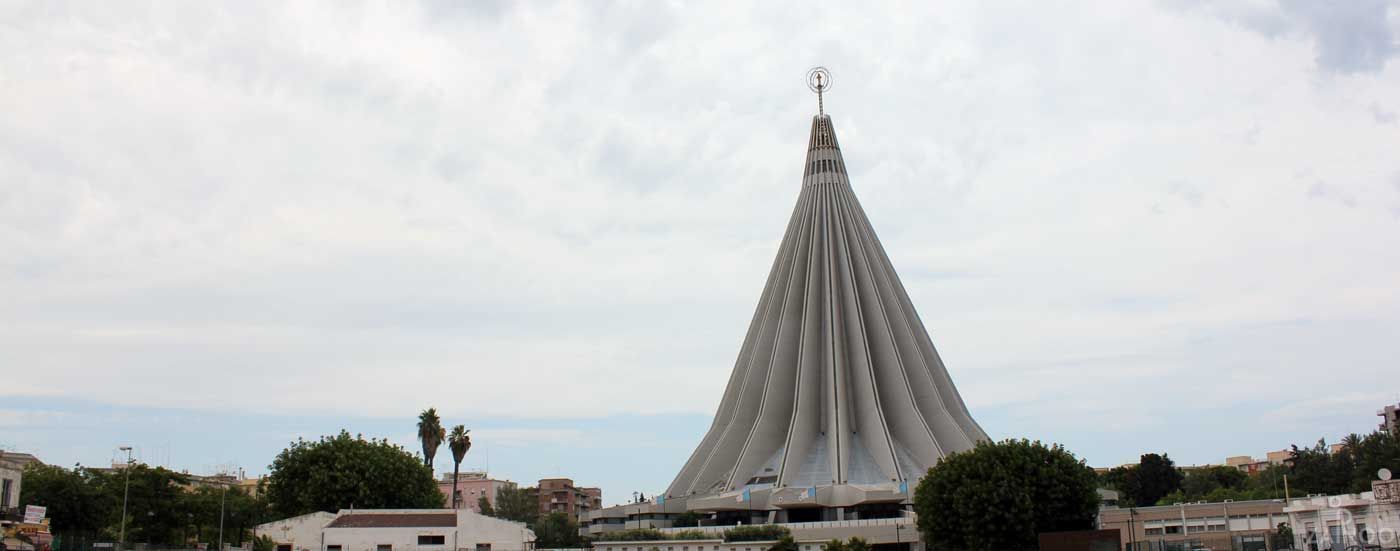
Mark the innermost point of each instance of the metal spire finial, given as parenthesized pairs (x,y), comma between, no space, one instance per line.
(819,81)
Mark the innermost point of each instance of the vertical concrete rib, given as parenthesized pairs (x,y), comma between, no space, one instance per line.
(837,377)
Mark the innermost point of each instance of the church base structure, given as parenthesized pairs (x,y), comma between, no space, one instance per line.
(881,516)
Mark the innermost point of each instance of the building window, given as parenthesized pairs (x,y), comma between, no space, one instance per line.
(432,540)
(284,547)
(483,547)
(1153,531)
(384,547)
(8,486)
(332,548)
(1173,529)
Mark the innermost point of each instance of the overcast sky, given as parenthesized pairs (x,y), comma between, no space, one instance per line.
(1130,227)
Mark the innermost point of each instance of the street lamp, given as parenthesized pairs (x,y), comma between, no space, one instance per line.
(126,491)
(222,498)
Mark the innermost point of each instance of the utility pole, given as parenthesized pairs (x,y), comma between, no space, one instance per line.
(222,498)
(126,491)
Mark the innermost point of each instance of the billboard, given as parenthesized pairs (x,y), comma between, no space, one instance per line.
(1386,491)
(34,514)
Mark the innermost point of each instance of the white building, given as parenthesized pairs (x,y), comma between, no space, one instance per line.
(1341,521)
(425,530)
(301,533)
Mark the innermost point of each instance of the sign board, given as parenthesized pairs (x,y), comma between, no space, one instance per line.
(1386,491)
(34,514)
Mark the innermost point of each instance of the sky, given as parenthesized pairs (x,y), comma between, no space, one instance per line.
(1130,227)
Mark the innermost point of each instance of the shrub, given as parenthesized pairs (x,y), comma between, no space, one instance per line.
(634,534)
(760,532)
(691,535)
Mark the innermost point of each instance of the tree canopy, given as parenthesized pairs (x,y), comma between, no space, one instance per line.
(1001,496)
(517,504)
(339,472)
(1155,477)
(162,508)
(556,531)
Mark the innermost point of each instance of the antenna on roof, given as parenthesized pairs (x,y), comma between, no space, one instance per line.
(819,81)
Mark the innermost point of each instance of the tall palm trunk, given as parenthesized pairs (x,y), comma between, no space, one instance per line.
(456,467)
(459,443)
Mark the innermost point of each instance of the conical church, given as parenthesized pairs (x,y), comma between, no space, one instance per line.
(838,402)
(838,396)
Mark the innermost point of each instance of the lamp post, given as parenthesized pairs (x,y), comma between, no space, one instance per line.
(126,491)
(222,498)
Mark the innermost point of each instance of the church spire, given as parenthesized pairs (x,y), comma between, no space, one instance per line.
(819,81)
(838,396)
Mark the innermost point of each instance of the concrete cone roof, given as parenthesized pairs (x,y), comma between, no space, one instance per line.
(837,382)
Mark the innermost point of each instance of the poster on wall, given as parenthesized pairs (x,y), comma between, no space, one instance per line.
(1386,491)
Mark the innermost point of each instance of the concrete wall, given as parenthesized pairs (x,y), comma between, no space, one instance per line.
(472,530)
(303,533)
(15,475)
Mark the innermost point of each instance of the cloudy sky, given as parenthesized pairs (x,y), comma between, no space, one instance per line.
(1164,226)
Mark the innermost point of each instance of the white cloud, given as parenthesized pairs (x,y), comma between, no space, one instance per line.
(568,210)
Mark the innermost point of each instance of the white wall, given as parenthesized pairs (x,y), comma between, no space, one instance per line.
(303,533)
(472,529)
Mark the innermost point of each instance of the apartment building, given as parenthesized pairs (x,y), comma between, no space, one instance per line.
(470,488)
(1239,525)
(560,495)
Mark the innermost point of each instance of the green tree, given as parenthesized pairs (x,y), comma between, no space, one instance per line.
(1198,483)
(1001,496)
(556,531)
(343,471)
(1369,454)
(834,545)
(77,506)
(1114,478)
(484,505)
(517,504)
(459,442)
(785,543)
(205,505)
(857,544)
(1151,479)
(1283,537)
(1316,470)
(688,519)
(431,434)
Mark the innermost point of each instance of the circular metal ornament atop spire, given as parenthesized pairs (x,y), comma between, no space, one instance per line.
(819,81)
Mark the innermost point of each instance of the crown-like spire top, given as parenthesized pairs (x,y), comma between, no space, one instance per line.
(819,81)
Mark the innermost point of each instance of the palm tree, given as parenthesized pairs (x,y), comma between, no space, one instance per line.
(459,442)
(1352,443)
(430,431)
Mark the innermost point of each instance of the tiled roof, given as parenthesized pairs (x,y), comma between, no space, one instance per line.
(395,520)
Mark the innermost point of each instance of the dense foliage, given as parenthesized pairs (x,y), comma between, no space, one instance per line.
(556,531)
(517,504)
(757,532)
(855,544)
(339,472)
(635,534)
(691,535)
(785,543)
(688,519)
(162,509)
(1001,496)
(1350,470)
(1148,482)
(1310,470)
